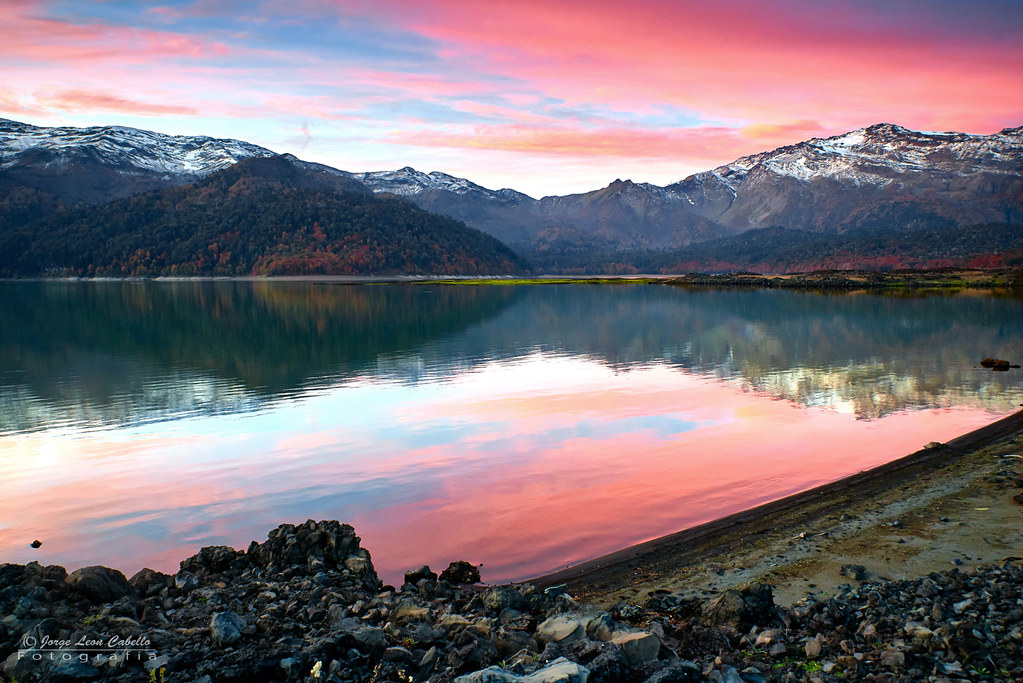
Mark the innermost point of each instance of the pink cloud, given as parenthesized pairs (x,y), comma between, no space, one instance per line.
(755,62)
(31,38)
(74,101)
(11,105)
(712,144)
(426,85)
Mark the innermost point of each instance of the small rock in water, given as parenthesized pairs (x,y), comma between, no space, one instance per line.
(36,543)
(996,364)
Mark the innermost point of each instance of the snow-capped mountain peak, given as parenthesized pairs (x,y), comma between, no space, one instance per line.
(879,155)
(408,182)
(130,151)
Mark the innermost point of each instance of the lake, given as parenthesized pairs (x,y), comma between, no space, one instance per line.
(524,428)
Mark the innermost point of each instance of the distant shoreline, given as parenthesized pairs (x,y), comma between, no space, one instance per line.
(948,279)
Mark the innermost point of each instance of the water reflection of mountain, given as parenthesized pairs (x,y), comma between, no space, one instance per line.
(89,353)
(117,352)
(867,354)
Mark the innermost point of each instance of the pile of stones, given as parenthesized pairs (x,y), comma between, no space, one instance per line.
(307,605)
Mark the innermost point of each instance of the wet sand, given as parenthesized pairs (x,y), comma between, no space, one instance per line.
(943,506)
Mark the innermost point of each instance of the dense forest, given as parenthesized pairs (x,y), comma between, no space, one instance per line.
(779,250)
(262,216)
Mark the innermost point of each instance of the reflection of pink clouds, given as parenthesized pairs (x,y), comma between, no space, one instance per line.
(302,443)
(514,497)
(585,497)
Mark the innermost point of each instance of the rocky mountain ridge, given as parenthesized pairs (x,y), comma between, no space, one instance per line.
(879,177)
(101,163)
(882,177)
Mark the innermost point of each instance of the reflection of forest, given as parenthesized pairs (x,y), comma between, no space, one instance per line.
(108,352)
(122,352)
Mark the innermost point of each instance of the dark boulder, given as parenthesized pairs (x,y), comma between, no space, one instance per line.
(416,575)
(212,559)
(147,581)
(461,573)
(98,584)
(752,606)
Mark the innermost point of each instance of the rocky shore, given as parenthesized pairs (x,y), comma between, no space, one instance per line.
(307,605)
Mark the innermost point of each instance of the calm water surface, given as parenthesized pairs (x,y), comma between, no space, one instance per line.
(524,428)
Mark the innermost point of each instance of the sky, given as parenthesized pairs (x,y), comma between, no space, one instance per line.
(543,96)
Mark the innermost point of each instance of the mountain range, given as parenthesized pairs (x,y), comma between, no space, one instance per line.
(876,180)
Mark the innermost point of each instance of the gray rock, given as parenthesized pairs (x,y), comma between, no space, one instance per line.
(753,675)
(515,619)
(424,633)
(559,671)
(397,654)
(428,664)
(727,609)
(156,663)
(98,584)
(410,612)
(21,665)
(730,675)
(639,649)
(73,669)
(492,674)
(682,671)
(186,581)
(370,639)
(893,658)
(813,647)
(561,629)
(288,663)
(766,638)
(226,628)
(497,599)
(147,581)
(509,642)
(600,627)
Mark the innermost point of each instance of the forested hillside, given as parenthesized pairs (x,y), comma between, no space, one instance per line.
(778,250)
(263,216)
